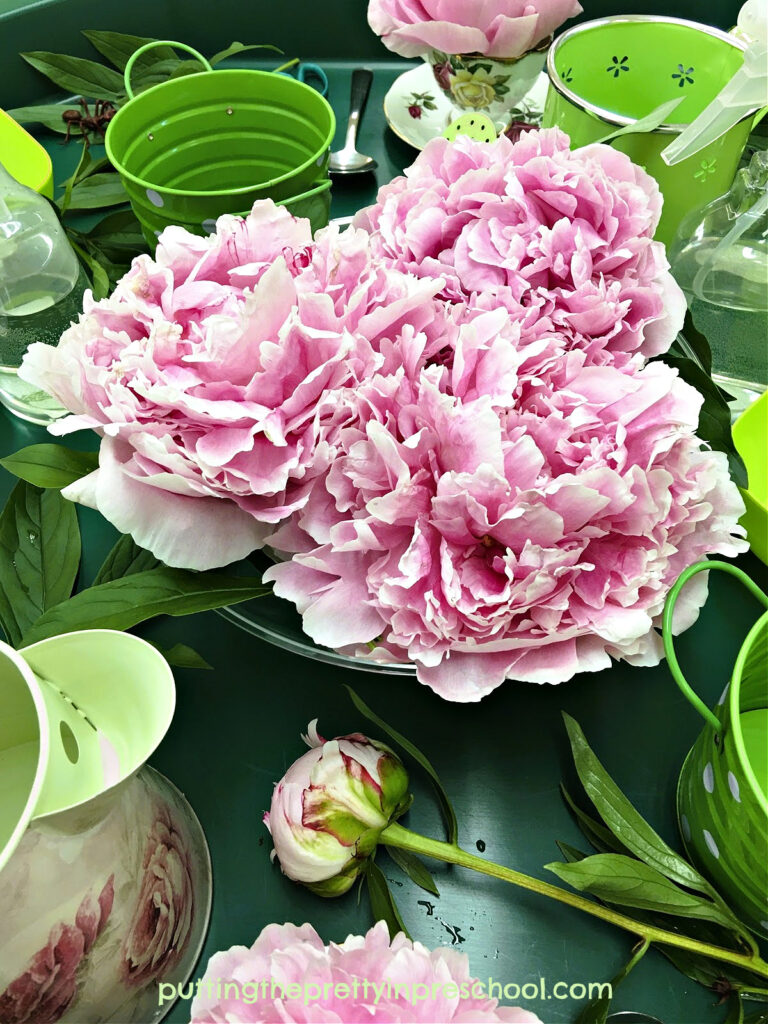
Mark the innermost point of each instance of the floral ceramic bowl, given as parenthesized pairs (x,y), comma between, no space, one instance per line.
(491,85)
(100,906)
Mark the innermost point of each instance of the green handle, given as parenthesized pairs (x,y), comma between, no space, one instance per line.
(151,46)
(669,650)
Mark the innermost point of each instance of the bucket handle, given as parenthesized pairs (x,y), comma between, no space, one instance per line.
(151,46)
(669,607)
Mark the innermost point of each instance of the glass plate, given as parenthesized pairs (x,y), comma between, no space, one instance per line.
(272,619)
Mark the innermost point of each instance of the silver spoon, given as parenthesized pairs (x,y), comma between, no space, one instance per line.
(348,160)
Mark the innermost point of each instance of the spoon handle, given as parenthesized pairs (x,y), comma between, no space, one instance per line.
(361,86)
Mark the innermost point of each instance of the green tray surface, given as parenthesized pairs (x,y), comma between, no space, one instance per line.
(236,731)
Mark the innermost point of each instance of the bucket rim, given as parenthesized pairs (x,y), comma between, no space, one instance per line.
(734,712)
(43,755)
(608,116)
(207,194)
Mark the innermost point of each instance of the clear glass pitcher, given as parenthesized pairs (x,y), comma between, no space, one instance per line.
(41,291)
(720,260)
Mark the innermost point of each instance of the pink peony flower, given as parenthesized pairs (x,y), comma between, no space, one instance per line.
(42,994)
(205,372)
(488,521)
(561,239)
(162,918)
(328,810)
(288,974)
(505,28)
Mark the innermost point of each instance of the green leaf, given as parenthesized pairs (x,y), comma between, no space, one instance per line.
(603,840)
(571,854)
(125,559)
(597,1012)
(187,67)
(758,1017)
(47,114)
(735,1010)
(99,277)
(383,906)
(695,344)
(117,47)
(235,48)
(39,556)
(77,75)
(123,603)
(50,465)
(414,868)
(449,815)
(649,123)
(119,232)
(69,184)
(621,880)
(104,189)
(623,820)
(181,656)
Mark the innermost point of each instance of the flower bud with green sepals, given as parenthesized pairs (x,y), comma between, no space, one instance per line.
(330,808)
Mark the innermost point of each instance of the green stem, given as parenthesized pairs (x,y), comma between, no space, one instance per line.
(402,838)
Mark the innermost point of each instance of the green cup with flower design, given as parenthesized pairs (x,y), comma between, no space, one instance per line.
(722,795)
(605,74)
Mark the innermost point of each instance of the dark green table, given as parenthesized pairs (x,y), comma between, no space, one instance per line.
(237,728)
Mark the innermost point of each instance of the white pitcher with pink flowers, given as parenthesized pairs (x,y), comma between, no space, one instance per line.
(105,881)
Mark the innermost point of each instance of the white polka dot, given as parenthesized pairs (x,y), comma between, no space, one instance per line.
(723,695)
(733,785)
(764,925)
(157,234)
(320,160)
(686,828)
(709,777)
(155,198)
(711,844)
(209,226)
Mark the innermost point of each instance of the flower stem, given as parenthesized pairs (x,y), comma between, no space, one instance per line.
(402,838)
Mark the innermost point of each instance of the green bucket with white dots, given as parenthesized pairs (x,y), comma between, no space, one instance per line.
(607,73)
(193,148)
(722,796)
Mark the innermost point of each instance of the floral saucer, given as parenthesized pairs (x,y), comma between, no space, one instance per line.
(417,110)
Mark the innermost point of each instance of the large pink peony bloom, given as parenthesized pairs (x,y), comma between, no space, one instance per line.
(561,239)
(502,28)
(488,524)
(288,975)
(205,372)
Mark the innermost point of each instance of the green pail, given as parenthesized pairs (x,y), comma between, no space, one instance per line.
(81,713)
(722,796)
(605,74)
(193,148)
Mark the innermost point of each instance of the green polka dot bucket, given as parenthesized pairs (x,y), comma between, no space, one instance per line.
(722,795)
(607,73)
(191,149)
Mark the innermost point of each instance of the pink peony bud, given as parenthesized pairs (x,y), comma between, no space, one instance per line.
(328,811)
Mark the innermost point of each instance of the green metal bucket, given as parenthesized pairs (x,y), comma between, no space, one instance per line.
(607,73)
(722,795)
(194,148)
